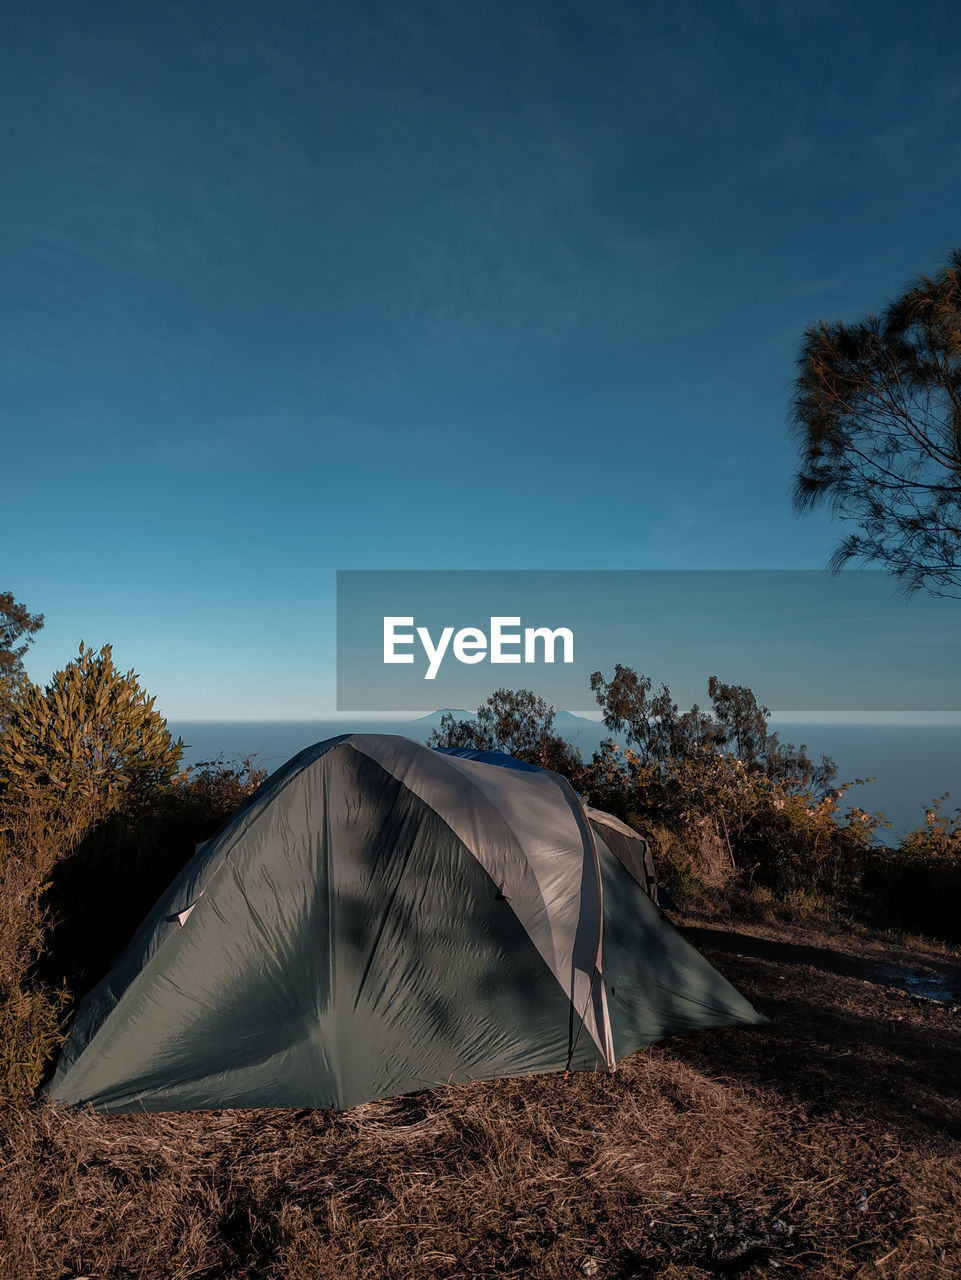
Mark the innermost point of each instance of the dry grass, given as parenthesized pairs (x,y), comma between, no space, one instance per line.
(824,1145)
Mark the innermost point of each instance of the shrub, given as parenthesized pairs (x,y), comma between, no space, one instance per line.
(922,878)
(31,1010)
(87,750)
(717,821)
(90,743)
(517,722)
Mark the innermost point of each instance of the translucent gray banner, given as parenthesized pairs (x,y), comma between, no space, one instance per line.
(803,640)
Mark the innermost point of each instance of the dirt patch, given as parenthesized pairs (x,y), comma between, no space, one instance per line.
(911,964)
(843,1036)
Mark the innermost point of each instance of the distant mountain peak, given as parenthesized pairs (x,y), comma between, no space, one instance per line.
(434,717)
(566,717)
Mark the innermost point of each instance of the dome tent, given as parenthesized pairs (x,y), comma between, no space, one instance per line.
(380,917)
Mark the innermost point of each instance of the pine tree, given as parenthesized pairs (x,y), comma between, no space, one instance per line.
(877,415)
(17,629)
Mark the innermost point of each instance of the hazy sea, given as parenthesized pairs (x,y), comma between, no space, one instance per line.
(912,764)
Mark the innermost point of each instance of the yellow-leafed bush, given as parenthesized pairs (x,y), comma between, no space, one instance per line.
(90,741)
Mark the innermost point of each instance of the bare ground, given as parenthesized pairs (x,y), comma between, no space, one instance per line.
(823,1145)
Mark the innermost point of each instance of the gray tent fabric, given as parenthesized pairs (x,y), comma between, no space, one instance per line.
(628,846)
(379,918)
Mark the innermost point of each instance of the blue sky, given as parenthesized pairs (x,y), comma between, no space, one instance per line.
(302,287)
